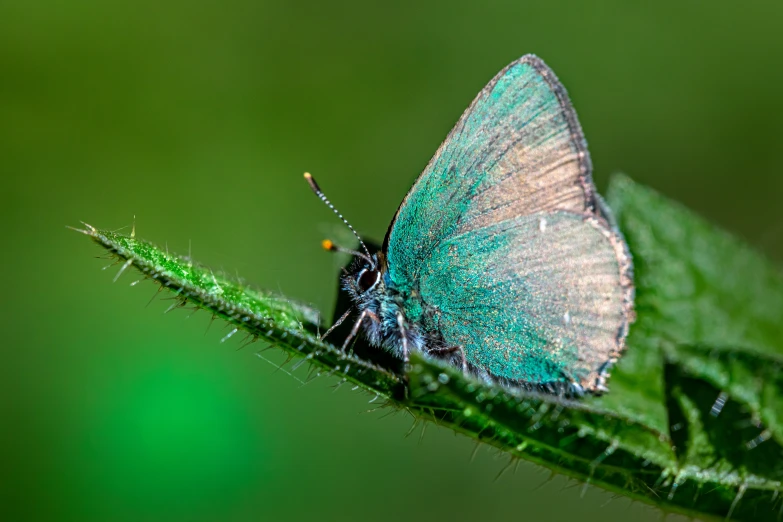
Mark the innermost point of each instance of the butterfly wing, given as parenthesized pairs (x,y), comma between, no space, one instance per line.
(516,156)
(534,298)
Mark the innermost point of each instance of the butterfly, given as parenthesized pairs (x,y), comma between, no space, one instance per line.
(502,258)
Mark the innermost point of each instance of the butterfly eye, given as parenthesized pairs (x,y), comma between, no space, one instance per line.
(367,279)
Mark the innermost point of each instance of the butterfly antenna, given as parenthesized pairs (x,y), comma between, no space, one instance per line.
(327,244)
(322,196)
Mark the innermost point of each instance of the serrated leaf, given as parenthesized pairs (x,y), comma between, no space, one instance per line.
(693,420)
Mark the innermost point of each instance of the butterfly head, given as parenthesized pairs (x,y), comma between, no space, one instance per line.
(364,279)
(380,306)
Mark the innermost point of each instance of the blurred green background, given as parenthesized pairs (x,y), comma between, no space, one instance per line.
(199,119)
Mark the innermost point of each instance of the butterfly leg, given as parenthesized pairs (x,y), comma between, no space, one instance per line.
(404,336)
(464,360)
(355,329)
(337,323)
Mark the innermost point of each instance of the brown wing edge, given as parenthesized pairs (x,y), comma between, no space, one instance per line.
(577,136)
(595,382)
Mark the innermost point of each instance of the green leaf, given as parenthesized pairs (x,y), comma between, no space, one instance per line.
(694,420)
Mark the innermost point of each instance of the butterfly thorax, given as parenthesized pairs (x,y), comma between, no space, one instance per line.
(390,313)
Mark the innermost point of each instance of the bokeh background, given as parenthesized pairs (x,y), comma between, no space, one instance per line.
(199,119)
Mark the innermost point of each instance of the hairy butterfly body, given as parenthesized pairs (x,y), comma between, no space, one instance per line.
(502,258)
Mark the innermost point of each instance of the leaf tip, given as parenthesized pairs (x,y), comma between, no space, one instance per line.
(88,231)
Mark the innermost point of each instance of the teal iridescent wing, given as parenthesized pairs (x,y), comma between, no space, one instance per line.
(503,236)
(534,299)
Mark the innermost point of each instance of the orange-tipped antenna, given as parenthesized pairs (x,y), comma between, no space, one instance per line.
(331,246)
